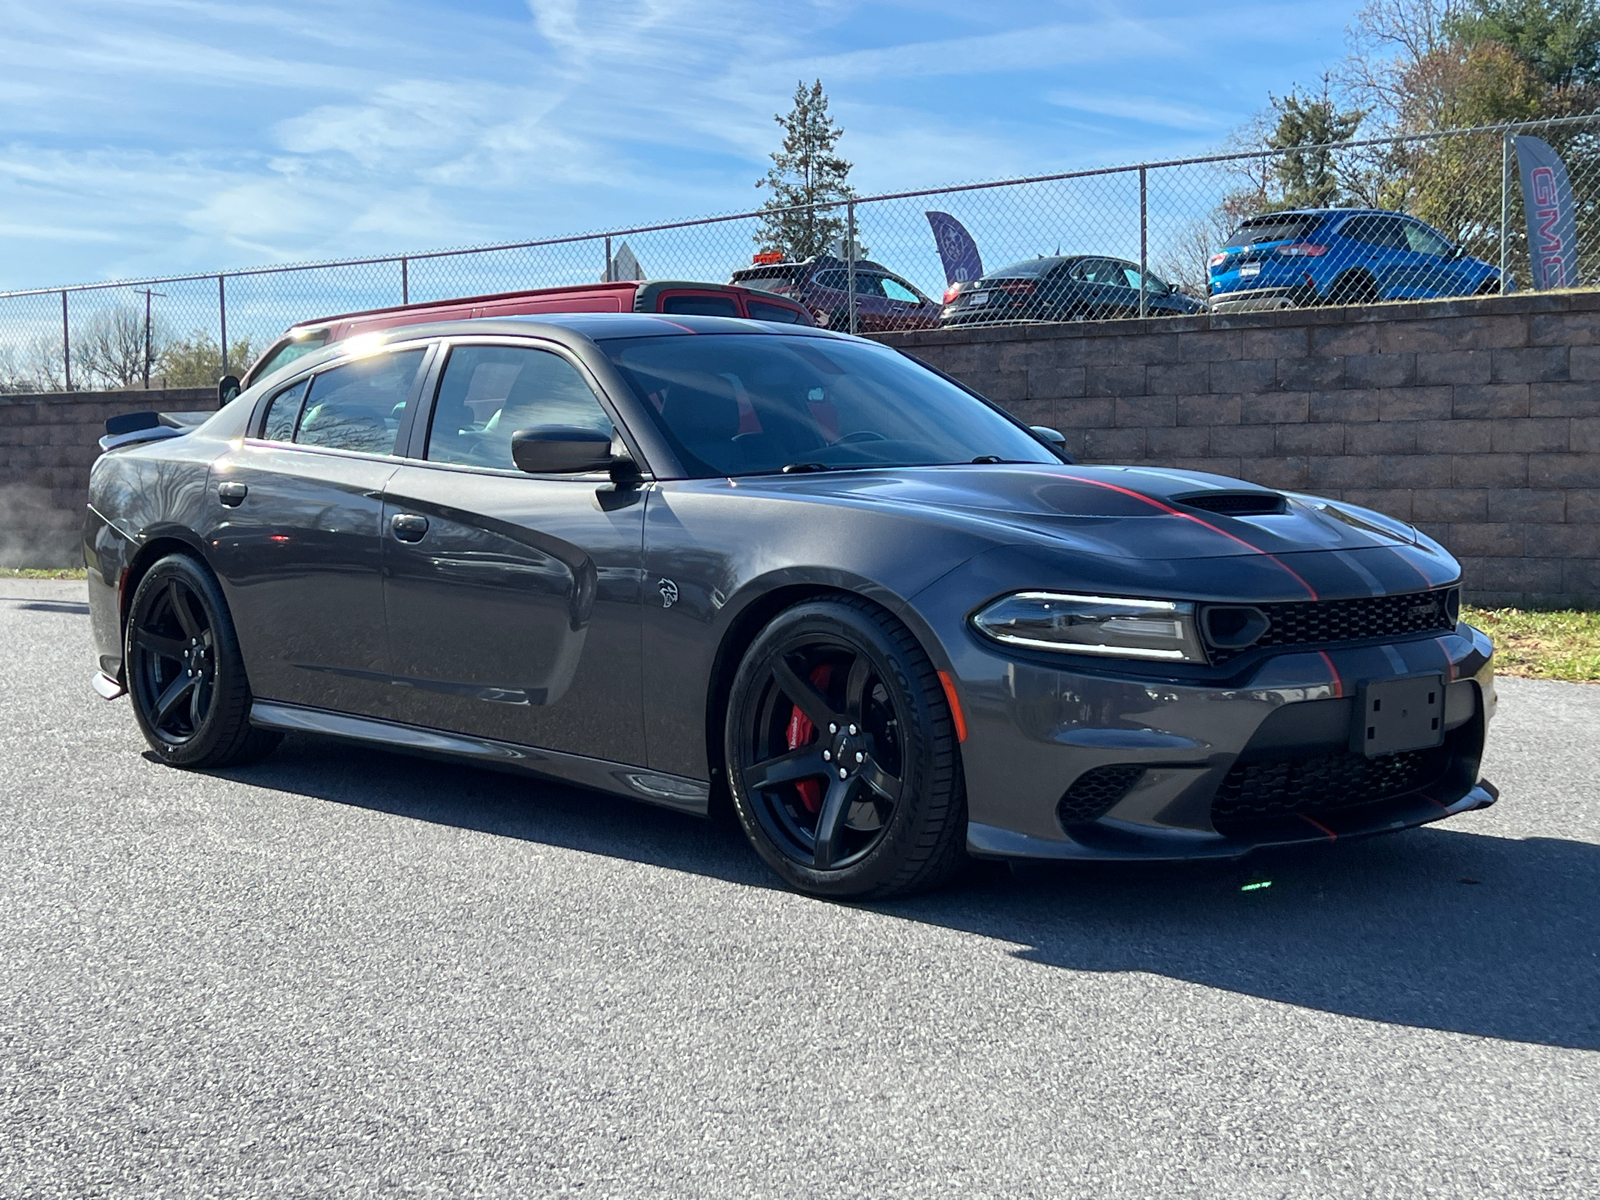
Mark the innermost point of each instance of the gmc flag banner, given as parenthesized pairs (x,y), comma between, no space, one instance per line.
(957,250)
(1552,223)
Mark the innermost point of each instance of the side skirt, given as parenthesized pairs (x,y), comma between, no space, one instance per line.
(671,791)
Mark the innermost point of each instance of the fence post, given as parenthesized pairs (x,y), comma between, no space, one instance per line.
(606,278)
(1505,202)
(1144,241)
(850,263)
(405,281)
(222,314)
(66,343)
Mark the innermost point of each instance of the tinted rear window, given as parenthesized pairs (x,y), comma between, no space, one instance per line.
(1030,269)
(1272,229)
(769,279)
(701,306)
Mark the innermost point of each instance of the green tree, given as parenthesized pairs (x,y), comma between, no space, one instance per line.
(1309,173)
(196,361)
(807,177)
(1558,39)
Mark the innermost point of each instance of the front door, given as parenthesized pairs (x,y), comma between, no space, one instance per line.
(512,599)
(297,541)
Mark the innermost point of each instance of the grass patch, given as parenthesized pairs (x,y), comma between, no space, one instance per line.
(42,573)
(1542,645)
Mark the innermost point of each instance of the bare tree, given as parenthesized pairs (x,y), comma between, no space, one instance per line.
(111,348)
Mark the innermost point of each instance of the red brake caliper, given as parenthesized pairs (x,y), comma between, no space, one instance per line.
(801,733)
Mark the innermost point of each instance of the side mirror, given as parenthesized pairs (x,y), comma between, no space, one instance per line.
(561,450)
(1053,438)
(227,389)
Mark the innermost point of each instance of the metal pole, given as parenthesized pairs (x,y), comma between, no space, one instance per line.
(1144,241)
(222,313)
(607,277)
(405,281)
(66,343)
(850,263)
(147,295)
(1505,203)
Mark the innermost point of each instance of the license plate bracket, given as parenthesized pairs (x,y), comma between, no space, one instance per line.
(1249,270)
(1393,715)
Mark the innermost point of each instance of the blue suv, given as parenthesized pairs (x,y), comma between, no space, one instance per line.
(1342,256)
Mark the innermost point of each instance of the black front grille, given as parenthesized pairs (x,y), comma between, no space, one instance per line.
(1309,784)
(1094,793)
(1327,622)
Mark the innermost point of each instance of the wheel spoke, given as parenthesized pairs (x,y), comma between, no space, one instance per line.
(830,822)
(196,709)
(169,700)
(880,781)
(156,644)
(855,691)
(804,695)
(180,609)
(786,768)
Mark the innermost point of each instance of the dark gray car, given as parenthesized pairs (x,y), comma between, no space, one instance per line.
(696,559)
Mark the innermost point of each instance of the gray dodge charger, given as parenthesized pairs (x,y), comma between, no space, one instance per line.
(698,561)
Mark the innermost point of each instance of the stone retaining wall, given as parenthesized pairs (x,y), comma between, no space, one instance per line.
(47,444)
(1478,420)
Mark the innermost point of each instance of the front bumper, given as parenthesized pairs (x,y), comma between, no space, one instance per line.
(1216,772)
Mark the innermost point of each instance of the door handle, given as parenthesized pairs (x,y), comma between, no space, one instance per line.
(408,527)
(232,494)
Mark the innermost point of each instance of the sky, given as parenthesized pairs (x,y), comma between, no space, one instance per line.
(147,137)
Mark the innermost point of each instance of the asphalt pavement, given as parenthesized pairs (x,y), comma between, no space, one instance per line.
(349,973)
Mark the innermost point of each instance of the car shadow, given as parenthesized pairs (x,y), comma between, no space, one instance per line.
(77,608)
(1439,928)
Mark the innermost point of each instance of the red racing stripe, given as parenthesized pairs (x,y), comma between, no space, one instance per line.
(1338,684)
(1166,508)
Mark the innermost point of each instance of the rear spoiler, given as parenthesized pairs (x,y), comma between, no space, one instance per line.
(131,428)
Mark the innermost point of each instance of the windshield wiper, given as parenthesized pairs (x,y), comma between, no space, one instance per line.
(993,458)
(805,468)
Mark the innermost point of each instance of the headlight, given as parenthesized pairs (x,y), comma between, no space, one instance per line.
(1163,630)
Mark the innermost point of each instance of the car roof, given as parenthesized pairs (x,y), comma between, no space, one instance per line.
(571,329)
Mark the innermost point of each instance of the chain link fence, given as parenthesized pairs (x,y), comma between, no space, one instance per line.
(1154,239)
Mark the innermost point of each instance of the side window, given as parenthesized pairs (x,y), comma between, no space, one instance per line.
(701,306)
(283,413)
(898,291)
(1425,241)
(833,279)
(760,310)
(490,392)
(358,406)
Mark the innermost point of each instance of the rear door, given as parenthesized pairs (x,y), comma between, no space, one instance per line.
(297,541)
(513,599)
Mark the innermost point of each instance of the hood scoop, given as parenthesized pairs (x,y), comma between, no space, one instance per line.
(1236,504)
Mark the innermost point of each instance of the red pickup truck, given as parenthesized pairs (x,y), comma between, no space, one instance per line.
(655,296)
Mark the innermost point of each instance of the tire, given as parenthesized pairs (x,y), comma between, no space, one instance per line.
(1355,288)
(185,674)
(841,681)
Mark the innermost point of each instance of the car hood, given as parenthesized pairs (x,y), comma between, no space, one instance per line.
(1144,516)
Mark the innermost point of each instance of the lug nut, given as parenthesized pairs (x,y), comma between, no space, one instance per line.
(860,757)
(833,728)
(843,772)
(827,756)
(852,730)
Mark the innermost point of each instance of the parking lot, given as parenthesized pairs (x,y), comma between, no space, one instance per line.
(345,972)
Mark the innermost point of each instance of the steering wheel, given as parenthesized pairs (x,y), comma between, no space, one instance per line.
(861,435)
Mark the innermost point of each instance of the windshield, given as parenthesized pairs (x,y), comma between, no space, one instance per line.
(1272,229)
(733,404)
(297,347)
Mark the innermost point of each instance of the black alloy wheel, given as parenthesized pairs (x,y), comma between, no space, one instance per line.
(1355,287)
(184,670)
(841,754)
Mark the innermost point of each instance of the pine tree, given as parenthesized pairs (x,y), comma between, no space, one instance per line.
(805,172)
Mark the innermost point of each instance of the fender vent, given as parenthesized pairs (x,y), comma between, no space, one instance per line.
(1094,793)
(1236,504)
